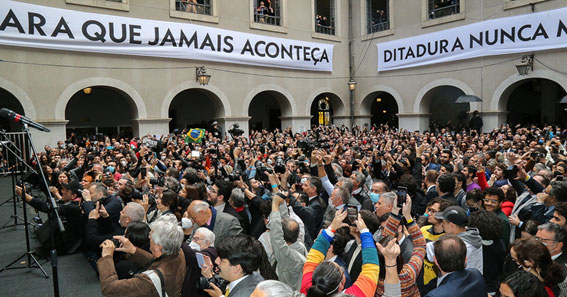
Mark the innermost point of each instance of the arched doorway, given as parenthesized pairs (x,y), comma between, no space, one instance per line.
(535,101)
(194,108)
(383,109)
(9,101)
(440,103)
(324,107)
(266,110)
(100,110)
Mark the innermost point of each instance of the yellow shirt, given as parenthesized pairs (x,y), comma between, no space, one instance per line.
(428,271)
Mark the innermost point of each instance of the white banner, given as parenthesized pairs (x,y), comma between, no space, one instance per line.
(519,34)
(37,26)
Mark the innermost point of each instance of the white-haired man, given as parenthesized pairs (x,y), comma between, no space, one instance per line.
(165,273)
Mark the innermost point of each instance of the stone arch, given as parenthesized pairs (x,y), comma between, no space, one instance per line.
(365,104)
(130,93)
(422,106)
(285,99)
(22,97)
(502,92)
(338,109)
(221,102)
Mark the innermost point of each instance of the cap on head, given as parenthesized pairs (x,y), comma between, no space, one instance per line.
(453,214)
(74,186)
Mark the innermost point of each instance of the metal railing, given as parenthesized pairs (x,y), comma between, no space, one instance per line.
(267,19)
(329,30)
(18,144)
(439,12)
(377,27)
(194,7)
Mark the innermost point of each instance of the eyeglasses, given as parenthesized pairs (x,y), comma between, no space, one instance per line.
(545,241)
(431,210)
(490,201)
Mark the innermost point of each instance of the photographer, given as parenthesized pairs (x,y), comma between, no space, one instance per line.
(239,257)
(70,213)
(166,269)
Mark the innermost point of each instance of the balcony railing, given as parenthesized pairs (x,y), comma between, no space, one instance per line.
(267,19)
(378,27)
(329,30)
(193,7)
(439,12)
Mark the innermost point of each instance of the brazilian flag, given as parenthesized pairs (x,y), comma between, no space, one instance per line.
(194,135)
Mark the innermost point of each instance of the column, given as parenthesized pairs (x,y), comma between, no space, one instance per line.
(227,123)
(492,120)
(414,121)
(340,120)
(362,120)
(58,132)
(155,126)
(298,124)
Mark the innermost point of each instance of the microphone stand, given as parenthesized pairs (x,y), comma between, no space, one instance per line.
(53,215)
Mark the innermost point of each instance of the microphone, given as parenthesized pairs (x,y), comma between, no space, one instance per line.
(12,116)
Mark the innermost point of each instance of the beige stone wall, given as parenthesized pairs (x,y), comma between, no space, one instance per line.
(45,90)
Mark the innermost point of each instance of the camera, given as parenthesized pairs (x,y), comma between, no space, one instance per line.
(280,165)
(159,181)
(116,242)
(217,280)
(235,130)
(511,172)
(260,169)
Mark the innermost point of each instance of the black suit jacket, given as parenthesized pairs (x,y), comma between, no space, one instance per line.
(431,193)
(311,215)
(357,265)
(241,216)
(449,197)
(562,259)
(466,283)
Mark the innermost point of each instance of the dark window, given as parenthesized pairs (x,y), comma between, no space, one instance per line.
(194,6)
(441,8)
(325,16)
(378,15)
(267,12)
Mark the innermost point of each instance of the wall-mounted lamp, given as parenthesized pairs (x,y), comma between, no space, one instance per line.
(202,76)
(352,85)
(87,91)
(378,99)
(526,65)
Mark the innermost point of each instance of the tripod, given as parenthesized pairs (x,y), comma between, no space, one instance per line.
(14,169)
(53,215)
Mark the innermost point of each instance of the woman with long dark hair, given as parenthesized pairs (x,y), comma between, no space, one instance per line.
(535,258)
(522,284)
(166,203)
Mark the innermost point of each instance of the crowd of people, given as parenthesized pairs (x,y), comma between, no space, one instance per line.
(330,212)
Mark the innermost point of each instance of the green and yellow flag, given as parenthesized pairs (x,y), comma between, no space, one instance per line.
(194,135)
